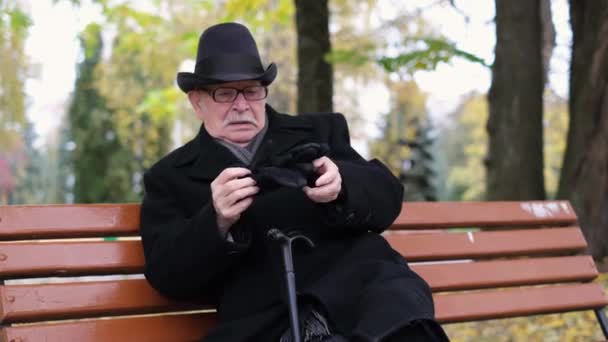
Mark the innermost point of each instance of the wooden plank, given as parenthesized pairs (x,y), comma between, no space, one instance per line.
(454,307)
(426,215)
(88,220)
(110,257)
(177,328)
(501,303)
(40,302)
(28,303)
(504,273)
(70,258)
(488,244)
(81,220)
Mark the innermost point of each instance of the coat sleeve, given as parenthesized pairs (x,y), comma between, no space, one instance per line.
(185,256)
(371,196)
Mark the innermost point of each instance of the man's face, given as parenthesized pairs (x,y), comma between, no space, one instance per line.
(237,121)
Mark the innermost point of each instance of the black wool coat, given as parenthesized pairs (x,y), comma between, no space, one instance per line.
(364,286)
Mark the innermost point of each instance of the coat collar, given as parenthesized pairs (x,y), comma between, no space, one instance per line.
(204,158)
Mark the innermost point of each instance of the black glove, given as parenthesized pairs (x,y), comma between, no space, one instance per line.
(305,153)
(292,168)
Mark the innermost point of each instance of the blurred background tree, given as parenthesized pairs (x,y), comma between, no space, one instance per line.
(417,174)
(95,147)
(125,111)
(515,152)
(584,178)
(463,148)
(315,74)
(14,24)
(405,144)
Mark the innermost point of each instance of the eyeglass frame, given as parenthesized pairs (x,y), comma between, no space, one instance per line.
(211,92)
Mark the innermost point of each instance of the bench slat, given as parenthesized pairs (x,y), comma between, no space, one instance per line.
(76,220)
(70,258)
(501,303)
(40,302)
(110,257)
(27,303)
(98,220)
(425,215)
(487,244)
(503,273)
(178,328)
(449,307)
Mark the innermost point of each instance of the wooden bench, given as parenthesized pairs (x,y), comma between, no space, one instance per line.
(524,260)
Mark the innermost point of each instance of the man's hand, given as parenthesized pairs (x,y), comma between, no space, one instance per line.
(232,194)
(328,185)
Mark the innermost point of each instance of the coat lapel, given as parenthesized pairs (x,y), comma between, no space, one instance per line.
(203,158)
(284,132)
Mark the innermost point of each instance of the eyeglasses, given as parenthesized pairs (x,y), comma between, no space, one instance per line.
(226,94)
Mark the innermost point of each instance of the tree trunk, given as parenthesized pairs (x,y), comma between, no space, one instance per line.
(315,76)
(584,177)
(515,155)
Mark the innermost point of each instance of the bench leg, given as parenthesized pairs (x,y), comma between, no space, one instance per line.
(601,317)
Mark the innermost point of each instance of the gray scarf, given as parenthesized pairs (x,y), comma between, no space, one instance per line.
(245,154)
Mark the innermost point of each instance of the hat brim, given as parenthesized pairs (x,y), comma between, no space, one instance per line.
(188,81)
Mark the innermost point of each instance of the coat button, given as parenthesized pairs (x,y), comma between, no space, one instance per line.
(350,217)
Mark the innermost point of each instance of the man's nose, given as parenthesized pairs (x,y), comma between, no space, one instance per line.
(240,103)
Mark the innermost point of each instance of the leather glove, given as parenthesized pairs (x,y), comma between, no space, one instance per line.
(293,168)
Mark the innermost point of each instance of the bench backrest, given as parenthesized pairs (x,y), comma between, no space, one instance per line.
(502,251)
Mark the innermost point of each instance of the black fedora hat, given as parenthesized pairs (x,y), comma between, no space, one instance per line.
(226,52)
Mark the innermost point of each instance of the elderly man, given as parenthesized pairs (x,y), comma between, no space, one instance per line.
(209,206)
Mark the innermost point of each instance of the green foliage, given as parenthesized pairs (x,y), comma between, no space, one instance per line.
(555,130)
(30,176)
(128,16)
(408,103)
(99,160)
(418,53)
(417,174)
(73,2)
(60,166)
(138,80)
(365,51)
(462,145)
(141,102)
(259,14)
(271,23)
(19,20)
(354,38)
(405,141)
(425,54)
(91,43)
(353,57)
(137,83)
(14,24)
(160,105)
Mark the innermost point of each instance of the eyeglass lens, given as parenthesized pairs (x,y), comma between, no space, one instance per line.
(230,94)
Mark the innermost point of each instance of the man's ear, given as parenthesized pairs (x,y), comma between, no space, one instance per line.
(194,96)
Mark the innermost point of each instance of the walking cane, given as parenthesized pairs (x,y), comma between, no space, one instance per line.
(290,277)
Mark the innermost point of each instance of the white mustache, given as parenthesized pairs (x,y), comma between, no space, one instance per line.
(233,119)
